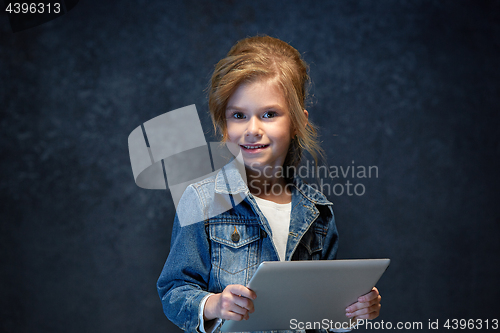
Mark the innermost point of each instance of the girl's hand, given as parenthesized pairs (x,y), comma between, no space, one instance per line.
(235,303)
(367,306)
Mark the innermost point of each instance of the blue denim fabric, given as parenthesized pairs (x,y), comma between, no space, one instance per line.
(204,258)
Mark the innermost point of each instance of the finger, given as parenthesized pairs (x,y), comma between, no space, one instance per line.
(244,302)
(360,308)
(235,308)
(239,305)
(239,290)
(360,305)
(371,302)
(371,315)
(240,296)
(234,316)
(369,296)
(231,310)
(370,312)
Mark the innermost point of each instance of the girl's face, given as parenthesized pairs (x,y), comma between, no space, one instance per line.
(258,120)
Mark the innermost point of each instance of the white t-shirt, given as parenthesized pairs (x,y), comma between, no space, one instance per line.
(278,217)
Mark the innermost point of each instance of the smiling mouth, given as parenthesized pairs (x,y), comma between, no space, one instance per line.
(254,147)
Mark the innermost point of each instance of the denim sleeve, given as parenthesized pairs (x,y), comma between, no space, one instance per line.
(183,282)
(331,242)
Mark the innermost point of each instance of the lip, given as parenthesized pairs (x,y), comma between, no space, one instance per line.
(253,148)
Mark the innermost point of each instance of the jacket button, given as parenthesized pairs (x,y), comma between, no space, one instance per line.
(263,233)
(235,237)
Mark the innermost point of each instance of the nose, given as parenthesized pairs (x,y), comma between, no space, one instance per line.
(254,127)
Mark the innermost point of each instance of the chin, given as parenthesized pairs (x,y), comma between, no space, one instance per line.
(254,164)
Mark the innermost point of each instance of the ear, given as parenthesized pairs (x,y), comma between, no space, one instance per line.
(307,117)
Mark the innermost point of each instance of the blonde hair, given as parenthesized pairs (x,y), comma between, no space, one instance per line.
(264,57)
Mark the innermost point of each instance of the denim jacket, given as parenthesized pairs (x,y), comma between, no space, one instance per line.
(205,256)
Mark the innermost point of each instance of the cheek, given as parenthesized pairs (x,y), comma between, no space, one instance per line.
(284,135)
(236,129)
(231,141)
(228,131)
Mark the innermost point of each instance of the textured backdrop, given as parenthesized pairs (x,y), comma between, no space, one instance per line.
(411,87)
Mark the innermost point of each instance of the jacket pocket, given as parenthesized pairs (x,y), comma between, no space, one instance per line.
(234,249)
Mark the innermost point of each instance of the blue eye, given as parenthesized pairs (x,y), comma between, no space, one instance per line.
(270,114)
(238,115)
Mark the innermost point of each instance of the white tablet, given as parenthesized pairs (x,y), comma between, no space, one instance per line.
(307,294)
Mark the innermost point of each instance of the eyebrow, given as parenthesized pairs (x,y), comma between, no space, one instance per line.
(267,107)
(230,108)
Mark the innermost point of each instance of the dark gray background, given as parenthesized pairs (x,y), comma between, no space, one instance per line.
(411,87)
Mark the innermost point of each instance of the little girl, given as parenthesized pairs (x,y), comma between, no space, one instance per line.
(256,101)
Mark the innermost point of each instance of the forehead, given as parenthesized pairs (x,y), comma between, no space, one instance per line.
(258,94)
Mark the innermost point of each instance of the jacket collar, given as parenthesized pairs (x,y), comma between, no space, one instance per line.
(229,180)
(310,192)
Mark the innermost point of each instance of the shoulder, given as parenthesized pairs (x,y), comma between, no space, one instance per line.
(200,190)
(203,188)
(193,205)
(212,195)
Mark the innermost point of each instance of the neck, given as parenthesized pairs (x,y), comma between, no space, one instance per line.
(269,186)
